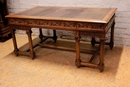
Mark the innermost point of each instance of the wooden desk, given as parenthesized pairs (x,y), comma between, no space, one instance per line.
(92,22)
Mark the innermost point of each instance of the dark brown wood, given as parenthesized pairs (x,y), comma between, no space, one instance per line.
(4,28)
(93,41)
(112,36)
(40,33)
(2,1)
(83,21)
(54,35)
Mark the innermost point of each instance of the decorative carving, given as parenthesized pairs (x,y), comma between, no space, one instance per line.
(42,23)
(101,28)
(91,34)
(105,28)
(20,27)
(64,24)
(89,26)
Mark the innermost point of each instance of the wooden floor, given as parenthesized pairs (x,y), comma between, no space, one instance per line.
(56,68)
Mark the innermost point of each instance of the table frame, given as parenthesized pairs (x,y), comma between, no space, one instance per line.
(87,29)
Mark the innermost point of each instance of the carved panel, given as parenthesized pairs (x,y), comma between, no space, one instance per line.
(106,27)
(20,27)
(92,29)
(92,34)
(42,23)
(93,26)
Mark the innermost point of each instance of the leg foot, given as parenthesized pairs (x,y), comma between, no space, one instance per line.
(32,55)
(101,67)
(16,52)
(78,62)
(111,44)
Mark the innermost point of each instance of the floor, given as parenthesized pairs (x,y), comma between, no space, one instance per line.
(56,68)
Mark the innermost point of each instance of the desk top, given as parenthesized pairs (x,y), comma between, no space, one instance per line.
(80,14)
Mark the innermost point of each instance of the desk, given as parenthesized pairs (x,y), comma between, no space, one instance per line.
(92,22)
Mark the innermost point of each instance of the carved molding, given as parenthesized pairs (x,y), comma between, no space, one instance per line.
(42,23)
(20,27)
(99,29)
(58,24)
(105,27)
(92,34)
(89,26)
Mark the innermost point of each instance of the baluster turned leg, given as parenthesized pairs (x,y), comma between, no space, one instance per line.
(101,59)
(77,39)
(14,42)
(32,53)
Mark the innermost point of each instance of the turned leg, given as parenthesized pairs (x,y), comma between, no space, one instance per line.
(40,33)
(32,53)
(101,59)
(14,42)
(54,35)
(77,39)
(93,41)
(112,36)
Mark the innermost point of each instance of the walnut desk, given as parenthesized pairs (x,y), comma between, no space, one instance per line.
(92,22)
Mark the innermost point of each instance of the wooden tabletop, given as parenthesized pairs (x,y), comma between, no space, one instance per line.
(82,14)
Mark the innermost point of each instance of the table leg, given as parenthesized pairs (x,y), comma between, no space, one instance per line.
(40,33)
(54,35)
(77,39)
(93,41)
(101,59)
(32,53)
(112,36)
(14,42)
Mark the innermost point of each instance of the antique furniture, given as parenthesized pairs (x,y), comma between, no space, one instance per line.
(92,22)
(4,28)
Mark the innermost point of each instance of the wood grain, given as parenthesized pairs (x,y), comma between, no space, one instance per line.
(82,14)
